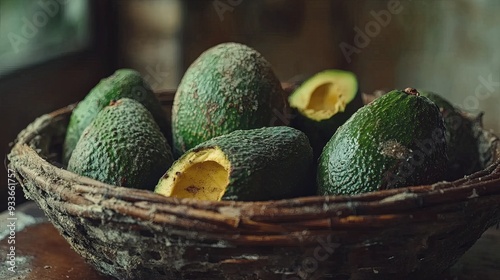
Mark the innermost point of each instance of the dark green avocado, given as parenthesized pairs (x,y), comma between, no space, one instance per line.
(461,138)
(395,141)
(122,146)
(258,164)
(124,83)
(228,87)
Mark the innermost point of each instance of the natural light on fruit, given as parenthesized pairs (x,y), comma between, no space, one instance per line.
(201,174)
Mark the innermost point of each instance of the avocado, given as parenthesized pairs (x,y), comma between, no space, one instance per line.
(322,103)
(228,87)
(250,165)
(395,141)
(122,146)
(123,83)
(461,138)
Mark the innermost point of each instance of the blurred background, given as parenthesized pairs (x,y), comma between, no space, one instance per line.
(52,52)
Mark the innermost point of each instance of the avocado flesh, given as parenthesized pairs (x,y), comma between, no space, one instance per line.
(324,94)
(322,103)
(397,140)
(248,165)
(203,175)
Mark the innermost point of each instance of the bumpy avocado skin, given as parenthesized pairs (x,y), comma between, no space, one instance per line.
(266,163)
(461,131)
(123,146)
(397,140)
(229,87)
(124,83)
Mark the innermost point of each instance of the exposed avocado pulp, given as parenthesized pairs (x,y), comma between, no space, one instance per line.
(204,175)
(322,103)
(250,165)
(324,94)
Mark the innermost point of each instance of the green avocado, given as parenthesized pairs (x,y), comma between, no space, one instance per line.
(228,87)
(395,141)
(122,146)
(250,165)
(461,138)
(124,83)
(322,103)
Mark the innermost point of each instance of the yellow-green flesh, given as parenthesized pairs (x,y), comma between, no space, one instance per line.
(325,94)
(202,175)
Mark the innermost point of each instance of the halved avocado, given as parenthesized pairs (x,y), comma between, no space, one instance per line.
(202,174)
(323,103)
(324,94)
(250,165)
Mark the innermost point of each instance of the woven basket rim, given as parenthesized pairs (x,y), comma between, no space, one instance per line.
(480,184)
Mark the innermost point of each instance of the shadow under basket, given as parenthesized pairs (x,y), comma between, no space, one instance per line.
(410,233)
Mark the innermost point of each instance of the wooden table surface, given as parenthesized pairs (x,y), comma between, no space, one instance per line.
(41,253)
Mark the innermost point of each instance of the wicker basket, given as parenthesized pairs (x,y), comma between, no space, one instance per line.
(410,233)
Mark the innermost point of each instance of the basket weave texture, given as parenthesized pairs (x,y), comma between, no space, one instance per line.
(409,233)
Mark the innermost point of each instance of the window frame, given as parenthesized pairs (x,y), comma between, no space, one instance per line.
(31,91)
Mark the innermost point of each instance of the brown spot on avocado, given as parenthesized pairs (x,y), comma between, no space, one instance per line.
(394,149)
(193,189)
